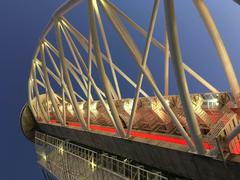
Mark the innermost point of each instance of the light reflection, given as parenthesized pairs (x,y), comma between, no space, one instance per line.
(60,149)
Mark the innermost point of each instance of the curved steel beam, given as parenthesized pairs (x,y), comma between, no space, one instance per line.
(48,86)
(67,6)
(160,46)
(144,62)
(221,50)
(34,80)
(105,42)
(138,57)
(180,75)
(84,43)
(105,80)
(66,75)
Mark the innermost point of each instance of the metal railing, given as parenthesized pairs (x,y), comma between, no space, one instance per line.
(66,160)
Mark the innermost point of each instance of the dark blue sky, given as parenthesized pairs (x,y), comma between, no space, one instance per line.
(21,23)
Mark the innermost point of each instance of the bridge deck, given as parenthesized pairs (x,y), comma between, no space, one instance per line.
(217,116)
(163,156)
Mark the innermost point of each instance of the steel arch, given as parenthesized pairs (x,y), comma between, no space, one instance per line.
(62,70)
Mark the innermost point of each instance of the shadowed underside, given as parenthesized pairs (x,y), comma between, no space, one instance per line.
(28,123)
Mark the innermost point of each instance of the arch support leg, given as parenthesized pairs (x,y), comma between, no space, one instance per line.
(220,48)
(180,76)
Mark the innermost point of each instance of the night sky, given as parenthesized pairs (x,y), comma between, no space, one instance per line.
(21,25)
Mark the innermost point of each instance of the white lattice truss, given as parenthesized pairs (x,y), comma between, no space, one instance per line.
(50,65)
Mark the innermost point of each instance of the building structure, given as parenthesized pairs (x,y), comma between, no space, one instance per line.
(84,128)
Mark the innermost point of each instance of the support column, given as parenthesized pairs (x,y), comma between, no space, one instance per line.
(180,75)
(105,80)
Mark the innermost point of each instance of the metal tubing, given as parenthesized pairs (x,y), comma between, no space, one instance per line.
(64,85)
(233,134)
(138,28)
(89,72)
(67,77)
(105,80)
(107,50)
(114,94)
(45,117)
(167,108)
(221,50)
(160,46)
(72,49)
(72,67)
(200,79)
(102,100)
(30,92)
(98,91)
(120,28)
(48,86)
(130,44)
(43,79)
(63,95)
(84,43)
(144,62)
(80,83)
(166,66)
(59,74)
(180,76)
(67,6)
(52,61)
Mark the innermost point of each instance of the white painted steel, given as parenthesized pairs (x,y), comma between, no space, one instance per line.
(64,71)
